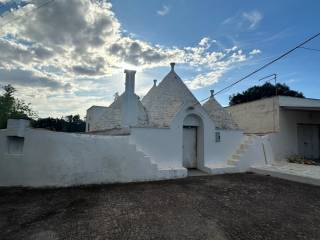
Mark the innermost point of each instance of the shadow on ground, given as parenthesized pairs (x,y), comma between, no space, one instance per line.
(235,206)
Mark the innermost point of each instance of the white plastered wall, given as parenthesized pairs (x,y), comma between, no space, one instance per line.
(165,145)
(64,159)
(222,151)
(285,143)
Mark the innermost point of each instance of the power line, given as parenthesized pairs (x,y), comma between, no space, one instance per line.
(312,49)
(266,65)
(16,5)
(26,13)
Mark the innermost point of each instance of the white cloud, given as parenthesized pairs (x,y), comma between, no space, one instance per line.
(164,10)
(70,55)
(217,69)
(206,42)
(255,52)
(248,20)
(253,17)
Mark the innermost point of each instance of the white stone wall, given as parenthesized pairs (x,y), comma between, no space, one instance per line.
(101,118)
(222,151)
(260,116)
(64,159)
(258,153)
(165,144)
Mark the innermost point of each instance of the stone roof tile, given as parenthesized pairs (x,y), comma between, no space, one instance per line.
(164,101)
(221,118)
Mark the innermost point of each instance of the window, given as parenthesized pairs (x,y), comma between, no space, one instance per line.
(218,137)
(15,145)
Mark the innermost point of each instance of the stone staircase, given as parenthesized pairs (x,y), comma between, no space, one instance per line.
(159,173)
(242,148)
(147,160)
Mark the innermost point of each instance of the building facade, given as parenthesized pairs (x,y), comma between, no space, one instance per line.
(161,136)
(291,124)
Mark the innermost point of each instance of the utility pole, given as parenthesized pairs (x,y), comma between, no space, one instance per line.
(274,77)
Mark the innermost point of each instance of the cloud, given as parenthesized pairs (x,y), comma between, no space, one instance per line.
(253,17)
(206,42)
(255,52)
(30,79)
(248,20)
(222,64)
(70,48)
(164,11)
(137,53)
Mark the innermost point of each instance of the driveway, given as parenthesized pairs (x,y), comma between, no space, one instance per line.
(235,206)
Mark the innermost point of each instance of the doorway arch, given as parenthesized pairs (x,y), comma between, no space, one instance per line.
(192,144)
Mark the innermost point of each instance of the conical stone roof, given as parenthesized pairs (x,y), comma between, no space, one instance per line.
(164,101)
(221,118)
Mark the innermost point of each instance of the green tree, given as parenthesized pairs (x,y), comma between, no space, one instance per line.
(11,107)
(71,123)
(264,91)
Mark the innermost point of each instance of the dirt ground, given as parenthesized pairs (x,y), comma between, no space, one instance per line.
(236,206)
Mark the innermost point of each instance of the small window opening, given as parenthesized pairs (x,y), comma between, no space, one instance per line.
(15,145)
(218,137)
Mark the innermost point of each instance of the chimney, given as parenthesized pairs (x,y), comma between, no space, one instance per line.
(211,93)
(172,66)
(129,108)
(155,82)
(130,81)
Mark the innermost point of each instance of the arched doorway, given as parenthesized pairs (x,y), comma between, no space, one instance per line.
(192,142)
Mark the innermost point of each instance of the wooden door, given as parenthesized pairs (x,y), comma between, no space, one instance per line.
(308,141)
(190,147)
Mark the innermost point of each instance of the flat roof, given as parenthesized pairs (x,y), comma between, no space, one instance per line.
(299,103)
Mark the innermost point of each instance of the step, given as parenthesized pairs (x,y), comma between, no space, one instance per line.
(232,162)
(248,142)
(243,146)
(240,151)
(170,173)
(236,156)
(196,173)
(221,169)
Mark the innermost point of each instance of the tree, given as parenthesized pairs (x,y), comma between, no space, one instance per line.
(11,107)
(264,91)
(71,123)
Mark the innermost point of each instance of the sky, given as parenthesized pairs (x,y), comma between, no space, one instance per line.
(64,56)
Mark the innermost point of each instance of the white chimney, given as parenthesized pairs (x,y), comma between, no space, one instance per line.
(130,81)
(129,109)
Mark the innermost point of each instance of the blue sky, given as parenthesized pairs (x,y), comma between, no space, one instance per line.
(70,55)
(283,24)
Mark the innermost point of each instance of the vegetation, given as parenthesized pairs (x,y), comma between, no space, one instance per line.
(71,123)
(11,107)
(296,158)
(264,91)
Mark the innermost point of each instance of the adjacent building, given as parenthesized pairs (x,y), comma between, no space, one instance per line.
(291,124)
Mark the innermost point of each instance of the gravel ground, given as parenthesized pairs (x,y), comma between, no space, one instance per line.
(235,206)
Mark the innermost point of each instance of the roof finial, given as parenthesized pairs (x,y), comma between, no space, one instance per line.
(155,82)
(172,66)
(211,93)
